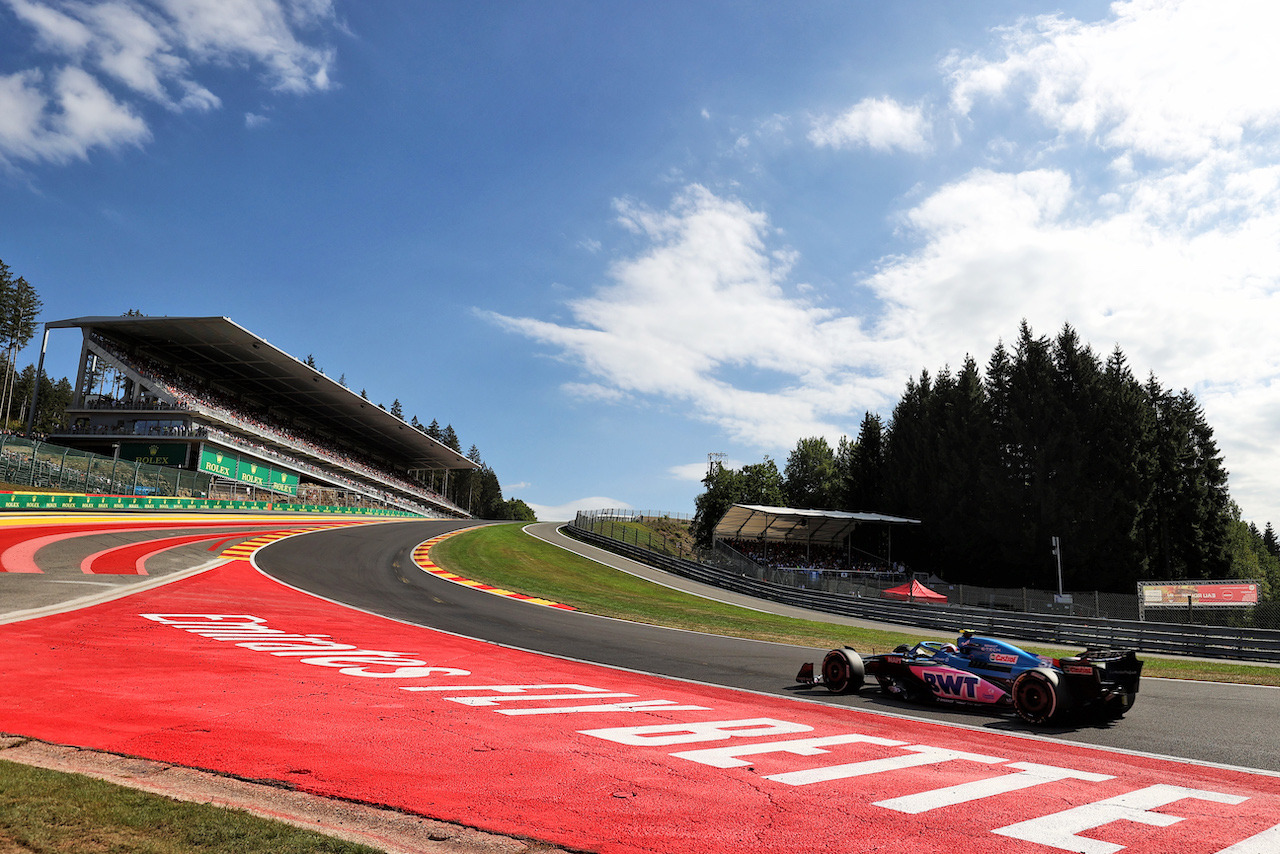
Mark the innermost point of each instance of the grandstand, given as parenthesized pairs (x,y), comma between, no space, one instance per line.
(205,394)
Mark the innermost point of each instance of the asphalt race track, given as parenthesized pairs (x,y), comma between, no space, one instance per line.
(392,686)
(370,567)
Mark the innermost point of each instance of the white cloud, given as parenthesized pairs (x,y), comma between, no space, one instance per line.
(567,512)
(253,120)
(704,304)
(881,124)
(145,50)
(61,119)
(1173,80)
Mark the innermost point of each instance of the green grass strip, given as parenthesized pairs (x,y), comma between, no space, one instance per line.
(505,556)
(56,812)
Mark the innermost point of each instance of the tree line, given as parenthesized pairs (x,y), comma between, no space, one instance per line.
(20,306)
(1047,440)
(477,490)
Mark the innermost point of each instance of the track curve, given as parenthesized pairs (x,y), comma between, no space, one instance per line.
(370,567)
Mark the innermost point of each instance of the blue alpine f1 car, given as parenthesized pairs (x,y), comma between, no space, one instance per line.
(987,672)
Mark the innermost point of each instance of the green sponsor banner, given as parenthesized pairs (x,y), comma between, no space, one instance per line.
(155,453)
(58,501)
(221,463)
(284,481)
(247,470)
(254,473)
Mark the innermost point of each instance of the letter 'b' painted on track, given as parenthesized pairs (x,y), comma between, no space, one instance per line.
(660,735)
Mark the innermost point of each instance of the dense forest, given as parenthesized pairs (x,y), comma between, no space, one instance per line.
(1048,440)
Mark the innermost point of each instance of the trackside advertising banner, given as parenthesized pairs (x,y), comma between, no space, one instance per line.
(218,462)
(155,453)
(1220,595)
(247,470)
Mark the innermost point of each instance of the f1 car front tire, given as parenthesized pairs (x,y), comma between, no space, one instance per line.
(1036,696)
(843,671)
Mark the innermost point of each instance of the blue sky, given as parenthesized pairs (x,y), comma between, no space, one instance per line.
(604,240)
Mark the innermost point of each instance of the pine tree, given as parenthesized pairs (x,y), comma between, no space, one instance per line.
(450,439)
(19,307)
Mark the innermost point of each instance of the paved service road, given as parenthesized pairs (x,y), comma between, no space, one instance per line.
(371,568)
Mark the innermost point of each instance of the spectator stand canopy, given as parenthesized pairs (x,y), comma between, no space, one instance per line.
(790,525)
(145,354)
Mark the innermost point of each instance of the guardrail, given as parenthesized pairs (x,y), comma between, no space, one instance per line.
(1168,638)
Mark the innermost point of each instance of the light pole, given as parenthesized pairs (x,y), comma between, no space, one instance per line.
(1057,552)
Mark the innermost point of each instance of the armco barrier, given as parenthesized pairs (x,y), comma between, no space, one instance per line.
(1168,638)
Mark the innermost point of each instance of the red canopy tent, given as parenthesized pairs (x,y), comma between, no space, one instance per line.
(913,592)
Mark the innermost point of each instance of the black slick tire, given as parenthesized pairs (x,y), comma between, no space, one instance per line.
(1036,696)
(843,671)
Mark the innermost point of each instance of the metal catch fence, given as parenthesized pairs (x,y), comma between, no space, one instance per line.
(38,465)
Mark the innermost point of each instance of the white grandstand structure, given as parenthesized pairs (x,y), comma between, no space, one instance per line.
(204,393)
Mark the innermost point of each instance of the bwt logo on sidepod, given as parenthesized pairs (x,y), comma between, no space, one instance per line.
(951,683)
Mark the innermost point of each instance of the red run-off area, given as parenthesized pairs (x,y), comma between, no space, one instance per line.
(233,672)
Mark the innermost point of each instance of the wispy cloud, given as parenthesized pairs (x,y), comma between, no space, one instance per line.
(705,303)
(146,53)
(881,124)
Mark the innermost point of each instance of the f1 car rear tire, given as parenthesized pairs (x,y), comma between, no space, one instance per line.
(1036,696)
(843,671)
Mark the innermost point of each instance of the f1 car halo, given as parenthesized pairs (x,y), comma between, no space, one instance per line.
(987,672)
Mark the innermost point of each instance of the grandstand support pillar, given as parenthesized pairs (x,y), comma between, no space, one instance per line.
(81,371)
(35,392)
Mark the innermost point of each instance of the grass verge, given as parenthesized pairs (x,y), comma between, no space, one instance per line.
(505,556)
(55,812)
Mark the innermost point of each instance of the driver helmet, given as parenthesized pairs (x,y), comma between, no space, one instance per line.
(949,648)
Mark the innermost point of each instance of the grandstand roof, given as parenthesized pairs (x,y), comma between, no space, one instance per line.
(787,524)
(227,354)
